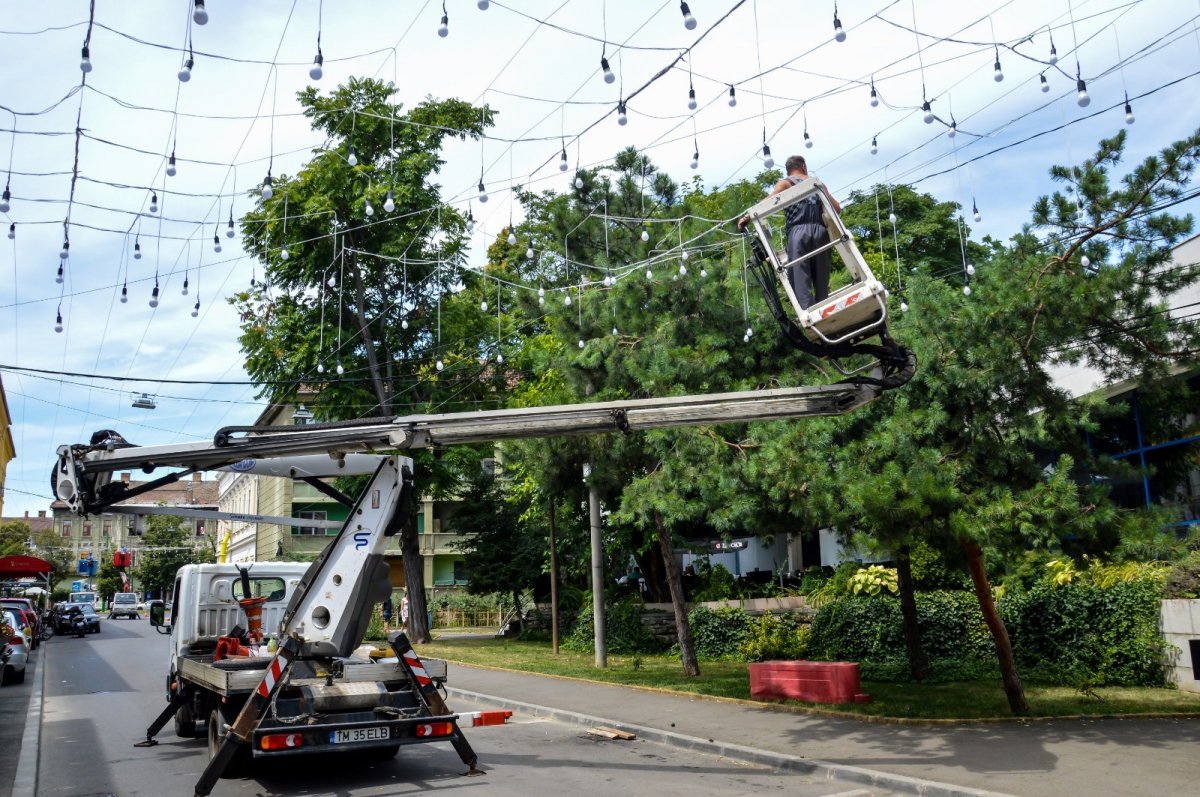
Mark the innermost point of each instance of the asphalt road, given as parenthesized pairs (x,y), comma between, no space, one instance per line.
(102,691)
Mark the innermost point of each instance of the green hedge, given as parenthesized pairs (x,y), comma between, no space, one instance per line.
(1075,635)
(623,629)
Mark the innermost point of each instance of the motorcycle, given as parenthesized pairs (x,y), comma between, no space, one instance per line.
(78,624)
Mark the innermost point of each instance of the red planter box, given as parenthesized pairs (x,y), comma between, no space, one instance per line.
(809,681)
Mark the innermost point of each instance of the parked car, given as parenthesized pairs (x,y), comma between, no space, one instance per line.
(91,618)
(25,609)
(62,617)
(18,647)
(124,604)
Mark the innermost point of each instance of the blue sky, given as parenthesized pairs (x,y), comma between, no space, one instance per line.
(545,82)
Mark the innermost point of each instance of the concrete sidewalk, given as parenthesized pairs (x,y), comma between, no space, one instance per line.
(1055,758)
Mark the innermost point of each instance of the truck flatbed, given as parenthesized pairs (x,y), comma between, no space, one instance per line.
(243,675)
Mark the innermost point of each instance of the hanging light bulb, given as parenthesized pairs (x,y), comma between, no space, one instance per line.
(185,286)
(154,296)
(153,202)
(137,251)
(316,71)
(85,60)
(229,230)
(808,143)
(975,211)
(541,293)
(512,238)
(953,131)
(768,161)
(125,293)
(622,119)
(171,165)
(567,300)
(283,254)
(581,343)
(695,164)
(340,370)
(404,323)
(874,146)
(691,99)
(185,73)
(928,117)
(874,96)
(682,270)
(578,181)
(689,21)
(903,306)
(1045,87)
(216,243)
(320,368)
(541,301)
(483,305)
(352,157)
(966,290)
(609,77)
(444,31)
(482,5)
(562,162)
(367,209)
(12,231)
(703,271)
(389,202)
(439,364)
(614,330)
(196,309)
(1053,59)
(997,73)
(500,359)
(65,252)
(58,326)
(470,222)
(645,235)
(749,332)
(5,200)
(200,14)
(1082,98)
(732,96)
(1129,118)
(59,278)
(970,269)
(892,218)
(1085,261)
(267,190)
(649,273)
(839,35)
(483,197)
(683,255)
(529,253)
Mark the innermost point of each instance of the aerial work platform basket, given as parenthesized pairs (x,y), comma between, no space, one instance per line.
(849,314)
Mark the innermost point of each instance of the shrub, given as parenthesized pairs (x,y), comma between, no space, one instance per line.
(719,633)
(1183,579)
(776,637)
(874,580)
(623,629)
(716,584)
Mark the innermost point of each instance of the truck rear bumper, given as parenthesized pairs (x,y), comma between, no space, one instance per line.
(348,732)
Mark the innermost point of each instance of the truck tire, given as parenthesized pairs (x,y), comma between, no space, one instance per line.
(185,722)
(240,763)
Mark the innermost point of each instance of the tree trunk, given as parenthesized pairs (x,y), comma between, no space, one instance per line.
(553,584)
(1013,687)
(653,571)
(687,650)
(917,663)
(364,330)
(414,582)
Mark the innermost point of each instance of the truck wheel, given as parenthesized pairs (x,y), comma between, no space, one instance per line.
(185,722)
(216,736)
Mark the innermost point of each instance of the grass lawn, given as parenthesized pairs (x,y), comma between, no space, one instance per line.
(963,700)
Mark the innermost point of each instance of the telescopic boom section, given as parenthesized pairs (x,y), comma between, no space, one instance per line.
(82,474)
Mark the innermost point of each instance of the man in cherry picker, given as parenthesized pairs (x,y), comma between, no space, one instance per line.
(805,231)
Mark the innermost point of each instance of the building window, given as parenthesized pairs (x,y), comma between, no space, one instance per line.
(311,530)
(87,530)
(107,530)
(66,528)
(460,571)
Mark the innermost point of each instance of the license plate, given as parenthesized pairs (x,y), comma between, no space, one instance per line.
(352,735)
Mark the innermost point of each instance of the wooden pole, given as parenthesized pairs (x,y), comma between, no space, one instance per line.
(553,583)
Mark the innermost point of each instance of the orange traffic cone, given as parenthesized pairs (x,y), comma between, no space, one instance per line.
(253,609)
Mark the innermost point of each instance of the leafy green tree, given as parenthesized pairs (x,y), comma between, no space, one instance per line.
(370,315)
(108,579)
(958,458)
(167,546)
(14,537)
(502,553)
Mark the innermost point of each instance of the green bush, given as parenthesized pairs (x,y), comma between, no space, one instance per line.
(623,629)
(1075,635)
(1183,579)
(719,633)
(716,584)
(776,637)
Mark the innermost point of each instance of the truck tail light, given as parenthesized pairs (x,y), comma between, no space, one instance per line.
(435,729)
(281,741)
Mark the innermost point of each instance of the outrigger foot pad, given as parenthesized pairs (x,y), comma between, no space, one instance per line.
(146,743)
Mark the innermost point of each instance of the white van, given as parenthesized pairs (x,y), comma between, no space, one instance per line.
(124,604)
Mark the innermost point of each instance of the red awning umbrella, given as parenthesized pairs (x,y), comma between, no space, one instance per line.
(21,566)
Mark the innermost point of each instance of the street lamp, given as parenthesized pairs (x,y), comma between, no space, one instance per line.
(302,416)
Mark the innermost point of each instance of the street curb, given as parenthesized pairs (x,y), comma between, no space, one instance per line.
(825,770)
(25,782)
